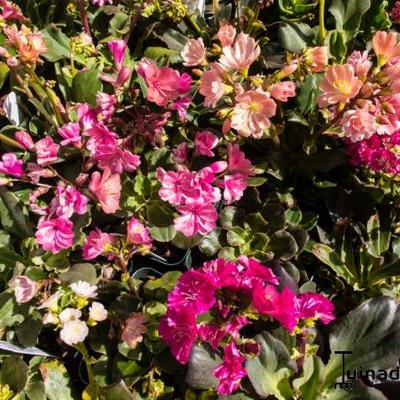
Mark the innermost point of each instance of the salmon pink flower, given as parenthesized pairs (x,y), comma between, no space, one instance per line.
(71,133)
(316,58)
(194,291)
(226,34)
(339,85)
(55,234)
(25,140)
(204,142)
(10,165)
(234,186)
(194,53)
(231,371)
(96,244)
(251,113)
(25,289)
(282,91)
(137,233)
(196,217)
(107,189)
(211,86)
(358,124)
(241,54)
(385,46)
(179,330)
(46,151)
(117,49)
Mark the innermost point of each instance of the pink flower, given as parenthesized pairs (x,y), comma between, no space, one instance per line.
(237,161)
(68,200)
(211,334)
(117,49)
(25,140)
(71,133)
(194,53)
(283,90)
(180,153)
(116,159)
(339,85)
(231,371)
(316,58)
(106,103)
(10,11)
(179,330)
(256,270)
(385,46)
(100,136)
(315,306)
(204,142)
(25,289)
(46,151)
(194,291)
(195,218)
(358,124)
(176,186)
(10,165)
(137,233)
(211,87)
(241,54)
(395,12)
(55,234)
(360,62)
(107,189)
(251,113)
(226,34)
(163,84)
(101,3)
(96,244)
(234,186)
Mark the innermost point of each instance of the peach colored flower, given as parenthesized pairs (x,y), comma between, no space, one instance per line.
(226,34)
(251,113)
(212,86)
(107,189)
(385,46)
(283,90)
(358,124)
(194,53)
(316,58)
(241,54)
(339,85)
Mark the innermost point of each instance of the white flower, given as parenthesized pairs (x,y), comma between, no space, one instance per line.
(74,332)
(69,314)
(84,289)
(50,318)
(97,312)
(51,302)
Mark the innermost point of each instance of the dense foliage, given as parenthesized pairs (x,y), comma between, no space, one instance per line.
(198,199)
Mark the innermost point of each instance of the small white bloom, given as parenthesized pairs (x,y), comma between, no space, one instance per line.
(84,289)
(97,312)
(69,314)
(50,318)
(74,332)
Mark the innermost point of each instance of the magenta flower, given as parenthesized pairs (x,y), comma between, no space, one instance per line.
(137,233)
(106,103)
(10,165)
(10,11)
(100,136)
(231,371)
(395,12)
(255,270)
(68,200)
(55,234)
(179,330)
(107,189)
(96,244)
(211,334)
(315,306)
(193,291)
(196,217)
(116,159)
(71,133)
(101,3)
(222,273)
(24,139)
(181,105)
(237,161)
(204,142)
(181,153)
(117,49)
(46,151)
(234,186)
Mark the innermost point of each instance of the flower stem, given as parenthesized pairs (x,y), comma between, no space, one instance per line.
(84,18)
(86,358)
(322,30)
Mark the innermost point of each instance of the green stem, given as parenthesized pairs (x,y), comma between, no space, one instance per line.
(86,358)
(322,30)
(10,142)
(194,24)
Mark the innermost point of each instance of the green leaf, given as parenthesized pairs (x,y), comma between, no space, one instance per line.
(379,236)
(79,272)
(117,391)
(293,7)
(308,92)
(85,85)
(269,372)
(237,236)
(183,242)
(160,214)
(159,53)
(230,216)
(358,392)
(337,45)
(119,24)
(28,332)
(296,36)
(162,234)
(10,312)
(14,372)
(283,245)
(210,244)
(310,381)
(13,214)
(56,380)
(371,332)
(293,215)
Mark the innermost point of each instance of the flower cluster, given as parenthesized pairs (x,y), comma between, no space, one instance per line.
(223,294)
